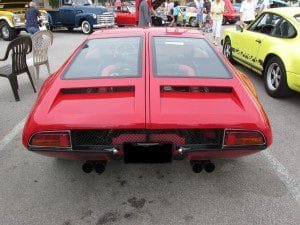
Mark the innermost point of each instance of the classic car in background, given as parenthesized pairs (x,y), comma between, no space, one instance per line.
(87,17)
(12,18)
(126,16)
(269,46)
(230,14)
(191,15)
(99,105)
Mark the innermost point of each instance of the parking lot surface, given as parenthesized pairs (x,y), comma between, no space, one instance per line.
(258,189)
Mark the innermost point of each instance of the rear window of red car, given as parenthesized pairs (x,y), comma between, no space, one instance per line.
(186,57)
(107,58)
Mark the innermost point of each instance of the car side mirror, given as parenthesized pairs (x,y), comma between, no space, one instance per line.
(239,28)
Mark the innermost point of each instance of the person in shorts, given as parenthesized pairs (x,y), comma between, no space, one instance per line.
(176,11)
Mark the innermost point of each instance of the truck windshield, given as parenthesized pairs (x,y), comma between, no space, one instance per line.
(10,6)
(186,57)
(107,58)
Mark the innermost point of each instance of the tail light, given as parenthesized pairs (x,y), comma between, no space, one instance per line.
(243,138)
(50,140)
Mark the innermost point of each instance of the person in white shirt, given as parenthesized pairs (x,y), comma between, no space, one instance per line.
(168,6)
(265,5)
(247,11)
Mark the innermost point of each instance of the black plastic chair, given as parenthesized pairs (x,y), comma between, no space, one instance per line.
(19,48)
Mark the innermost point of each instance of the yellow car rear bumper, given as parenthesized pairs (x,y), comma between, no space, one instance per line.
(293,80)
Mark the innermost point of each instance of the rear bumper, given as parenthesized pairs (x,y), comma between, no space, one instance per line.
(108,154)
(293,80)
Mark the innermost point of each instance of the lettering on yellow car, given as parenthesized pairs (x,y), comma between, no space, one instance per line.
(249,58)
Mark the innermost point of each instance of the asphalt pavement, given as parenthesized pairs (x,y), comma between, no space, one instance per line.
(257,189)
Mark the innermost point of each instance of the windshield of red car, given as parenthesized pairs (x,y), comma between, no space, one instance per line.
(107,57)
(186,57)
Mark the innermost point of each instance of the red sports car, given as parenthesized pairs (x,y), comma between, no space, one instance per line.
(147,96)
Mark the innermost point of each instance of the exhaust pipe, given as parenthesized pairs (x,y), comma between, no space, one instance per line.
(208,166)
(196,166)
(88,166)
(100,167)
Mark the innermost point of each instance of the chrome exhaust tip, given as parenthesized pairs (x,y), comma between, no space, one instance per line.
(100,167)
(88,167)
(208,166)
(196,166)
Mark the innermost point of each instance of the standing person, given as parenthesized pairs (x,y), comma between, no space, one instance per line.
(118,5)
(199,18)
(32,18)
(169,5)
(207,6)
(176,11)
(144,14)
(247,12)
(183,13)
(265,5)
(206,16)
(217,10)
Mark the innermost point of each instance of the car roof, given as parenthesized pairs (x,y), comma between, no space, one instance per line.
(289,12)
(152,31)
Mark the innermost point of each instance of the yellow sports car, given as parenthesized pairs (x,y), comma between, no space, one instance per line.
(270,45)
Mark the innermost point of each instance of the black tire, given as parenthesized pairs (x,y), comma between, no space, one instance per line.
(227,49)
(232,22)
(156,21)
(275,78)
(86,27)
(225,20)
(193,22)
(6,32)
(18,32)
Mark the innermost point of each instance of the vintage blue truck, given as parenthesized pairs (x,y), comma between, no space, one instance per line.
(87,17)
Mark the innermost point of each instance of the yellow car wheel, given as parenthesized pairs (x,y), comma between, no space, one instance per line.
(227,49)
(6,32)
(275,78)
(193,22)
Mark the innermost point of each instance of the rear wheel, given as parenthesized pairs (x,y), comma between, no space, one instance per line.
(225,20)
(86,27)
(227,49)
(7,33)
(193,22)
(275,78)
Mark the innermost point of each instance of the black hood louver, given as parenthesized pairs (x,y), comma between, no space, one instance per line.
(97,90)
(197,89)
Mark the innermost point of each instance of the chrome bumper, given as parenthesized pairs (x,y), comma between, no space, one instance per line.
(103,25)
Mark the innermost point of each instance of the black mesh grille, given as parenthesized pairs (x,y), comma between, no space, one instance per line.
(85,138)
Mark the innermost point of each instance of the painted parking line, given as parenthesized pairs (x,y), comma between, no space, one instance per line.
(284,176)
(12,134)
